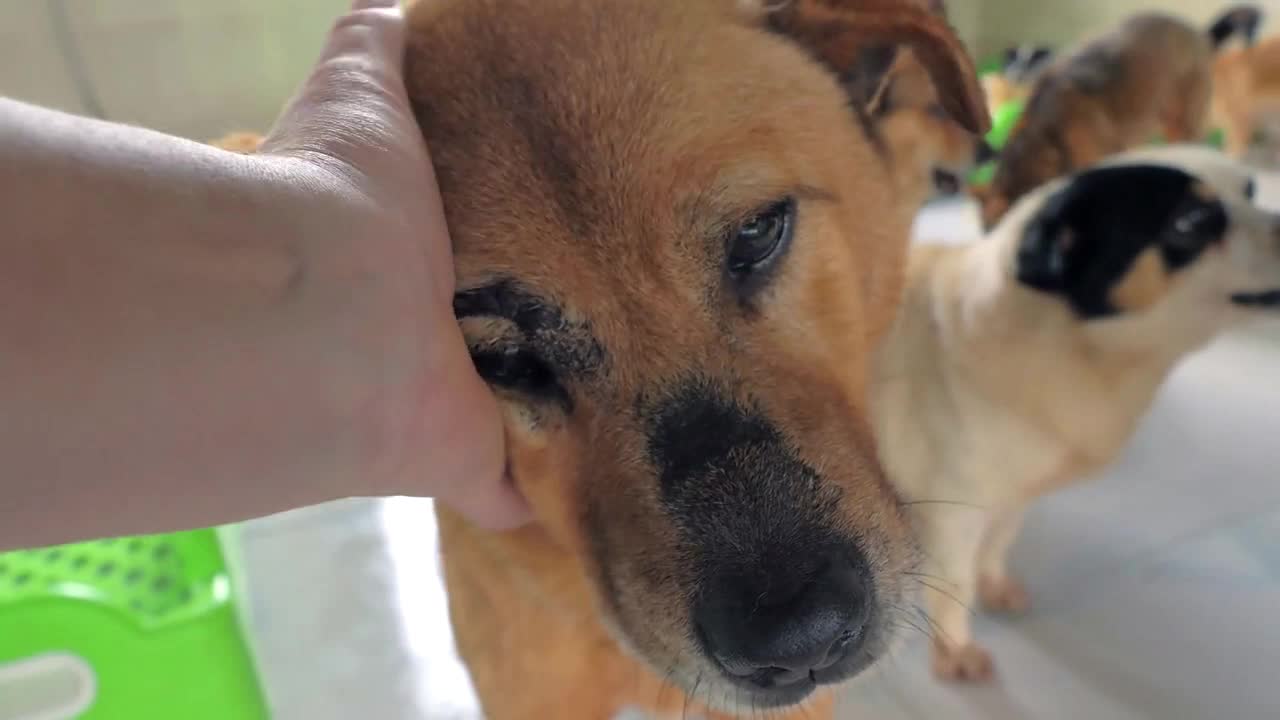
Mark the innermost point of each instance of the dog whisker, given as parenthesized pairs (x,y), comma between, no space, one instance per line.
(684,713)
(938,630)
(946,593)
(956,503)
(665,684)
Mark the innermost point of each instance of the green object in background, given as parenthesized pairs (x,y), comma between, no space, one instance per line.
(1002,125)
(141,628)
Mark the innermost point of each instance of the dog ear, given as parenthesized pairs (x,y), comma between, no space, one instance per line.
(1010,56)
(859,40)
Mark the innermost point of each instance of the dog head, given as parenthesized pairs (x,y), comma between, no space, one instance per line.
(1021,63)
(1163,243)
(677,239)
(924,136)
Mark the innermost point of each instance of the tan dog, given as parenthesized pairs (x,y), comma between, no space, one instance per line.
(1023,362)
(1018,72)
(678,234)
(918,127)
(1150,77)
(924,136)
(1246,93)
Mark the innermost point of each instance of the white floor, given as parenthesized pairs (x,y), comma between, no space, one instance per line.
(1155,587)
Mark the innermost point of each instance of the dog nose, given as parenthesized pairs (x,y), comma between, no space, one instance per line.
(984,152)
(782,628)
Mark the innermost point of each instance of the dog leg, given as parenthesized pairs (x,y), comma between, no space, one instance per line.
(999,589)
(949,596)
(1239,136)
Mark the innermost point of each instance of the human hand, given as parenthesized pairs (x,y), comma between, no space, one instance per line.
(367,176)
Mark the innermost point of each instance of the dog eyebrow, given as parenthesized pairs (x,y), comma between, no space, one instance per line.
(568,345)
(809,192)
(504,299)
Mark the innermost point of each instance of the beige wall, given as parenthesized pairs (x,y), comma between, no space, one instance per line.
(197,68)
(1062,22)
(200,68)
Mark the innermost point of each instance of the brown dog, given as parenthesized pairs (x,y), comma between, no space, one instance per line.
(1151,76)
(1246,93)
(923,135)
(679,232)
(678,236)
(1018,72)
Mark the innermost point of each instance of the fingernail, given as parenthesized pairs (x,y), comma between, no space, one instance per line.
(371,4)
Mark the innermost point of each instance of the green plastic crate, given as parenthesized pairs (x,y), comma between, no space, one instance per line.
(140,628)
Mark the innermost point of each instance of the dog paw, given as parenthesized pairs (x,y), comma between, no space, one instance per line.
(965,664)
(1004,594)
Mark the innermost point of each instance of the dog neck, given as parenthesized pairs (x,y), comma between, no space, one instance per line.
(973,342)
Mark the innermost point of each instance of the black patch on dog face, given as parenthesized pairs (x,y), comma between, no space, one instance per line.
(543,351)
(1023,61)
(1085,238)
(743,501)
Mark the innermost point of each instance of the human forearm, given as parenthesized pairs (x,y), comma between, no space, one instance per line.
(209,339)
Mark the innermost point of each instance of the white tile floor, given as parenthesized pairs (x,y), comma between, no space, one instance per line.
(1155,587)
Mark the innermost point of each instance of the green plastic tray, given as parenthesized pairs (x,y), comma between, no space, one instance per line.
(147,626)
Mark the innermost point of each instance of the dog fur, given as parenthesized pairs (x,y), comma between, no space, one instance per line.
(1246,93)
(1023,362)
(691,432)
(942,152)
(1149,77)
(924,135)
(1021,66)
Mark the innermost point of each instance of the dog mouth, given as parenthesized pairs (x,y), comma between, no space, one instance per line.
(1265,299)
(777,688)
(769,687)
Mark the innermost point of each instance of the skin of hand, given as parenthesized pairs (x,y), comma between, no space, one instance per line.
(196,337)
(353,119)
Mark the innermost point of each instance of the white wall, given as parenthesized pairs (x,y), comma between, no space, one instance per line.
(203,67)
(197,68)
(1063,22)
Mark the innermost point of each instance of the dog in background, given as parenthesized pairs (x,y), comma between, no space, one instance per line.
(917,125)
(1021,66)
(1022,363)
(1246,93)
(1149,77)
(925,137)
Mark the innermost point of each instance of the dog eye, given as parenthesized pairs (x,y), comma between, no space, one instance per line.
(1197,222)
(757,241)
(1192,231)
(519,370)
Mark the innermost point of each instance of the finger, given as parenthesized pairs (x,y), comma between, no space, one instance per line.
(478,484)
(499,507)
(355,94)
(463,456)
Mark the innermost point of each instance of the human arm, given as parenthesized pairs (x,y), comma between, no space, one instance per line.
(189,336)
